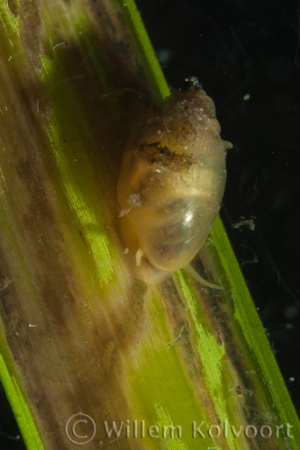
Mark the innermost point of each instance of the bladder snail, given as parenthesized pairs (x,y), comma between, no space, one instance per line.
(171,185)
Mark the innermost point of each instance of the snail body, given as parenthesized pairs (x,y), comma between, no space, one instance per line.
(171,185)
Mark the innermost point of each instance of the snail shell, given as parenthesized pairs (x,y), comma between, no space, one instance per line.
(171,185)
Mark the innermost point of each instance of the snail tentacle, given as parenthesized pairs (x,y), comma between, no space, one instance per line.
(192,273)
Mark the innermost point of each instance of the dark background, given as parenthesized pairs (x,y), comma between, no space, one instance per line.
(241,48)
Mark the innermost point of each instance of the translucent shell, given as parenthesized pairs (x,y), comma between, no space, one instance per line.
(171,184)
